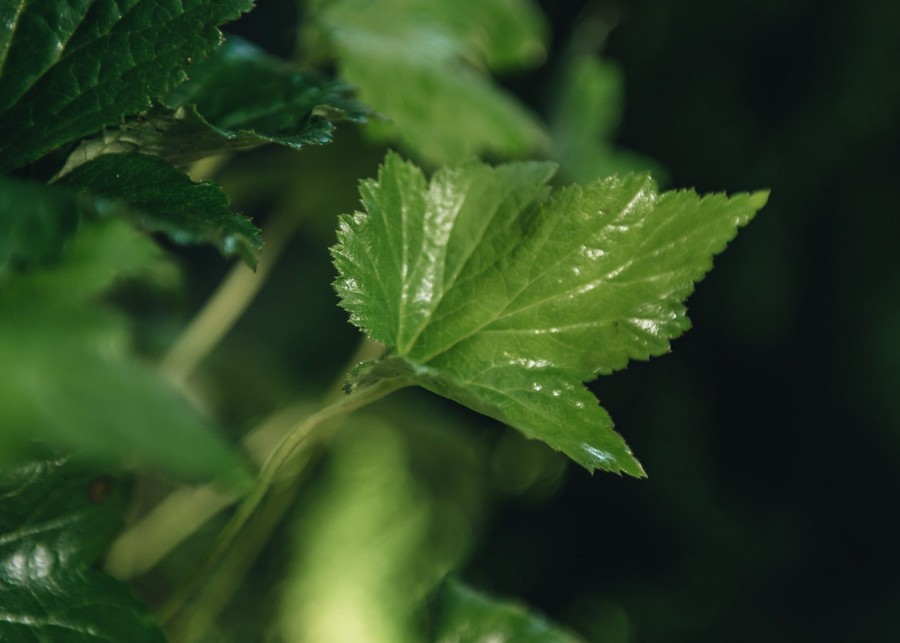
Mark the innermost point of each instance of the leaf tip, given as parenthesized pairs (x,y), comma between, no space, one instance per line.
(759,199)
(608,461)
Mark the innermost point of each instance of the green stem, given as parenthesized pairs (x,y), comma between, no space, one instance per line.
(180,514)
(228,303)
(268,475)
(184,511)
(193,624)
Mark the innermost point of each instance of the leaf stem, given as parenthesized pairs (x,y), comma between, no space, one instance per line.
(185,510)
(230,300)
(180,514)
(267,477)
(190,625)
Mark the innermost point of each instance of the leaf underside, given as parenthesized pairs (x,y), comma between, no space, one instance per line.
(244,94)
(492,291)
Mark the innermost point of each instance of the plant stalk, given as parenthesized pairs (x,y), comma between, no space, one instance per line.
(267,477)
(228,303)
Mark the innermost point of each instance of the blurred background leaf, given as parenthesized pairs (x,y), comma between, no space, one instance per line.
(467,616)
(68,375)
(437,52)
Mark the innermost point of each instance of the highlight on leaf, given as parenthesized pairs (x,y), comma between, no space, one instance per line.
(492,290)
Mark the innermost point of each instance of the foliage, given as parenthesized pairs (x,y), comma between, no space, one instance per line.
(483,284)
(58,518)
(497,294)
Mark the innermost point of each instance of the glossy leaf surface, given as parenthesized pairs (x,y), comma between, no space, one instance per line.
(437,51)
(74,383)
(56,520)
(162,198)
(70,67)
(468,616)
(492,292)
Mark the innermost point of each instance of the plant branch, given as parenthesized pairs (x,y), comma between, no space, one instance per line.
(191,625)
(267,477)
(184,511)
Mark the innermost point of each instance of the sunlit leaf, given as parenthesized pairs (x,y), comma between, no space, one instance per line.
(492,292)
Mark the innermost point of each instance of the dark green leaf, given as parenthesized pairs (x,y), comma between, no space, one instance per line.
(245,94)
(56,520)
(162,198)
(70,379)
(447,109)
(71,67)
(468,616)
(238,99)
(68,510)
(91,263)
(35,220)
(493,294)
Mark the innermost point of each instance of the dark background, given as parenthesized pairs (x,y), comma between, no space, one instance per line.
(770,434)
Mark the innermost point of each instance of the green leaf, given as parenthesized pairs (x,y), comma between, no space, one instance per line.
(91,263)
(69,68)
(419,63)
(494,294)
(56,519)
(162,198)
(586,113)
(468,616)
(238,99)
(246,95)
(70,379)
(499,34)
(35,220)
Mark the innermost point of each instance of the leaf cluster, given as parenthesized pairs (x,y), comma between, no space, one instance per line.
(487,284)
